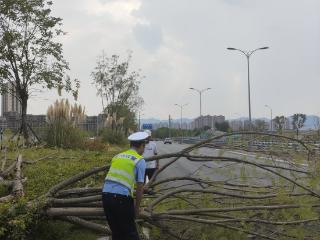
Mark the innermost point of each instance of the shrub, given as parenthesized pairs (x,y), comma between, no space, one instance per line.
(63,120)
(96,145)
(113,137)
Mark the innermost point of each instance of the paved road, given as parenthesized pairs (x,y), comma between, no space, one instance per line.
(217,171)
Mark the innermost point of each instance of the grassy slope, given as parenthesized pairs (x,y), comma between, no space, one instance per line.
(59,166)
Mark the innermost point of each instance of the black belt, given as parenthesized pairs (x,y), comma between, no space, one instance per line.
(116,195)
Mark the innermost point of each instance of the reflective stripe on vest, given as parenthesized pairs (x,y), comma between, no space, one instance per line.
(122,169)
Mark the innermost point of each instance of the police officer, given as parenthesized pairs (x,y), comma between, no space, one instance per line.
(150,150)
(127,170)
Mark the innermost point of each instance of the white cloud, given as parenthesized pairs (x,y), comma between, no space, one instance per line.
(119,10)
(182,43)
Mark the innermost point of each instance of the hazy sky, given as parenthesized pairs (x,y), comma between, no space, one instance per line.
(182,43)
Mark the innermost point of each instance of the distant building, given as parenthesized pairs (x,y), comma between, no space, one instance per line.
(236,125)
(90,124)
(3,123)
(13,120)
(36,121)
(93,123)
(10,103)
(207,121)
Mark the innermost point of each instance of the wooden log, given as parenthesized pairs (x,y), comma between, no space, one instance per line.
(87,224)
(74,211)
(56,201)
(17,188)
(10,183)
(50,156)
(7,171)
(101,218)
(6,183)
(6,198)
(4,161)
(78,191)
(52,191)
(86,205)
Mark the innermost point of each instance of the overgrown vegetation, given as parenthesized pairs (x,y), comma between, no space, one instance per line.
(118,88)
(63,125)
(254,196)
(113,137)
(55,165)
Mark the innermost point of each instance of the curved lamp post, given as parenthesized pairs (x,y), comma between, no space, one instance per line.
(248,55)
(181,107)
(200,94)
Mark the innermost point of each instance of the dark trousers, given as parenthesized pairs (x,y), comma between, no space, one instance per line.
(120,214)
(149,173)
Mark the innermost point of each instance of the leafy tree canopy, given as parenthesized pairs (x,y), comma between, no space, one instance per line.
(29,56)
(116,84)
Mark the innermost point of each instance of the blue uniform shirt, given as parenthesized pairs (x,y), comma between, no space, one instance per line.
(114,187)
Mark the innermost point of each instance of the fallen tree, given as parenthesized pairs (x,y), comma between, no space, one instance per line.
(252,192)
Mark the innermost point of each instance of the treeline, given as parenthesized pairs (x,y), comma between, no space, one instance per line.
(165,132)
(172,132)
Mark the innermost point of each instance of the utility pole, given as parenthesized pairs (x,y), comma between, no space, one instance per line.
(169,126)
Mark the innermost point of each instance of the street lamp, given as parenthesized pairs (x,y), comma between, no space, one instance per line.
(267,106)
(248,54)
(200,94)
(139,120)
(181,107)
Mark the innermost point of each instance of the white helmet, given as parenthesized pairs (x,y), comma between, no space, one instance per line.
(148,132)
(138,136)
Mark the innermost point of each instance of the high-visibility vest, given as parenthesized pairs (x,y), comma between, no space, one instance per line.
(122,169)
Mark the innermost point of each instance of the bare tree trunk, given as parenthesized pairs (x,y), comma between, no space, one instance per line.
(24,125)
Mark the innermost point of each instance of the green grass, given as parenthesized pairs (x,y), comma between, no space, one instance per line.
(54,230)
(59,166)
(41,176)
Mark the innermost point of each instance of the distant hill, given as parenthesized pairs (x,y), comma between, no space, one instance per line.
(309,124)
(154,120)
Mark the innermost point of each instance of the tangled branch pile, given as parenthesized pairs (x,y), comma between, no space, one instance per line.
(231,183)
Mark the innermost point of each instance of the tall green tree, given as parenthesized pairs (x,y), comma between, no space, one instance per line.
(29,55)
(298,121)
(260,125)
(127,117)
(117,86)
(223,126)
(279,122)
